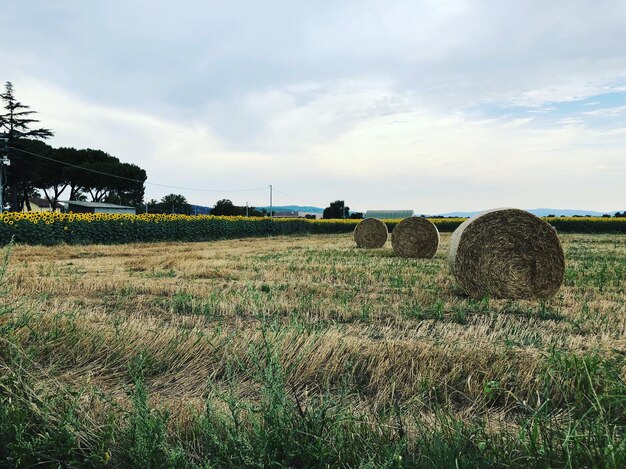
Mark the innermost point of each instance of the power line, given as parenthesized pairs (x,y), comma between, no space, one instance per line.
(135,180)
(75,166)
(154,183)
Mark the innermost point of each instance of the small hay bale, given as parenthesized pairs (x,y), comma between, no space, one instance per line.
(507,253)
(415,237)
(370,233)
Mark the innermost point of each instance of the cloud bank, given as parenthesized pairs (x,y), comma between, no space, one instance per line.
(434,106)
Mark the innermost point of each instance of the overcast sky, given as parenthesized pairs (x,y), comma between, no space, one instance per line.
(434,106)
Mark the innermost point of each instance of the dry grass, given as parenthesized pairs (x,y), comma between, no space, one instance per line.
(398,331)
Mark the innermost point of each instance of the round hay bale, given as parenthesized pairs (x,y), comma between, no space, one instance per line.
(507,253)
(415,237)
(370,233)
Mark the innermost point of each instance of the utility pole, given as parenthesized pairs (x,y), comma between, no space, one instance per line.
(246,209)
(271,214)
(3,162)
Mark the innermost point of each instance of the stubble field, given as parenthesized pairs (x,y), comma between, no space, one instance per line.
(304,351)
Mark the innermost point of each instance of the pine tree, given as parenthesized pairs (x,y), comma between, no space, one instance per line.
(15,123)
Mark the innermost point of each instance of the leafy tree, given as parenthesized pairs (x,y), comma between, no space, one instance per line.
(356,216)
(95,181)
(16,123)
(337,209)
(129,188)
(152,206)
(171,203)
(69,168)
(86,172)
(225,207)
(54,177)
(177,202)
(75,176)
(106,179)
(29,169)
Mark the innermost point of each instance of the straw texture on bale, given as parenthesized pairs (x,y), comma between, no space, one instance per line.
(370,233)
(415,237)
(507,253)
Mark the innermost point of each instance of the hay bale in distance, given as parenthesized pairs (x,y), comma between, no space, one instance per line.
(370,233)
(415,237)
(507,253)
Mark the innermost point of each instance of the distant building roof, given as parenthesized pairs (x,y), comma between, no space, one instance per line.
(80,203)
(389,214)
(291,214)
(44,203)
(315,214)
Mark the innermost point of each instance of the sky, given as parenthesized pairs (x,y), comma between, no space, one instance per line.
(434,106)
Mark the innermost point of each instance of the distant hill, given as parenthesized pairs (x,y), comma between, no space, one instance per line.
(200,209)
(540,212)
(293,208)
(544,212)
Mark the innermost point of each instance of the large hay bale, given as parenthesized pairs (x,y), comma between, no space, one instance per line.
(370,233)
(415,237)
(507,253)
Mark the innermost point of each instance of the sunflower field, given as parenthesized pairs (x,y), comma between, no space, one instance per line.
(104,228)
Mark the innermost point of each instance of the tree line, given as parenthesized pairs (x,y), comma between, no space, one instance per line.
(338,209)
(177,203)
(75,174)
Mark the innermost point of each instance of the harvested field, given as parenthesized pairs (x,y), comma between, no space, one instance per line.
(433,376)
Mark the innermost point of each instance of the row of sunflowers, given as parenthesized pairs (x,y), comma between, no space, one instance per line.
(104,228)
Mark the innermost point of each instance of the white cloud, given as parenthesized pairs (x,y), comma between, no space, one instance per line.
(607,112)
